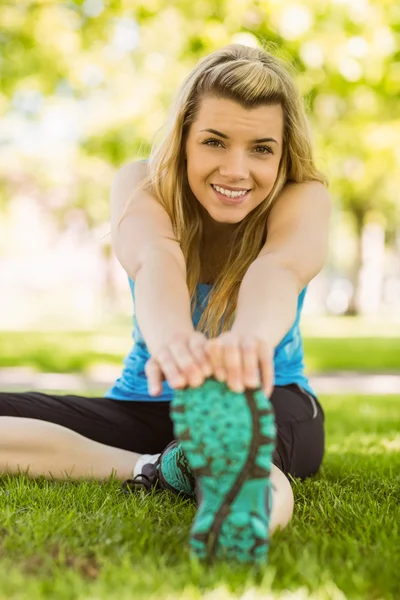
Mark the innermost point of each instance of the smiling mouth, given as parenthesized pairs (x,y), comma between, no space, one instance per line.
(230,200)
(237,194)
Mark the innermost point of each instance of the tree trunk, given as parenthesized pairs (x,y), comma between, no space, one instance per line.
(354,308)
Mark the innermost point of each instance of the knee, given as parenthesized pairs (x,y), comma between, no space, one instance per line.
(282,500)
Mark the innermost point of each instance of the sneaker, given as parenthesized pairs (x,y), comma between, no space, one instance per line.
(228,439)
(171,472)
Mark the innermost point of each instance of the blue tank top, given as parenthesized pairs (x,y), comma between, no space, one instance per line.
(132,385)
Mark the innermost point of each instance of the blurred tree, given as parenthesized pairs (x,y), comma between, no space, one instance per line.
(113,68)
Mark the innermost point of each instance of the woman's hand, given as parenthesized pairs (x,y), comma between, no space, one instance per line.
(239,360)
(190,358)
(183,361)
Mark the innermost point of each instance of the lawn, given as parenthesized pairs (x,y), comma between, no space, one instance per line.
(76,540)
(77,352)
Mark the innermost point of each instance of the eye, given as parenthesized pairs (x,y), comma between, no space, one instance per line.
(259,149)
(211,142)
(265,150)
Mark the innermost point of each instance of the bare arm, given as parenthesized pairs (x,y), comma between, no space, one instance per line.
(295,251)
(145,246)
(162,297)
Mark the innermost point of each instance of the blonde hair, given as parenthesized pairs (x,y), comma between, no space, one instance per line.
(252,77)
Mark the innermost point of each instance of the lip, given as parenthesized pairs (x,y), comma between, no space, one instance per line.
(230,188)
(230,201)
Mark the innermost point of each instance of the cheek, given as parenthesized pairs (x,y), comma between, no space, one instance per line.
(273,166)
(196,178)
(191,171)
(195,167)
(199,176)
(270,174)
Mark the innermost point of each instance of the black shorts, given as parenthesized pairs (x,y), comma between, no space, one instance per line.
(146,427)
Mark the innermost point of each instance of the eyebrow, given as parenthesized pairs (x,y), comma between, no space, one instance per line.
(226,137)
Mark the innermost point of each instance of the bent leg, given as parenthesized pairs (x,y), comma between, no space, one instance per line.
(282,500)
(300,446)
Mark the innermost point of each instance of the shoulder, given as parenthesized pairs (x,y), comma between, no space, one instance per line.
(297,194)
(308,201)
(298,229)
(129,175)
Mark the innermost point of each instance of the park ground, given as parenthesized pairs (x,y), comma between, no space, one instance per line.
(79,540)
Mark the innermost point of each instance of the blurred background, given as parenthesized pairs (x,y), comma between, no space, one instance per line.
(85,86)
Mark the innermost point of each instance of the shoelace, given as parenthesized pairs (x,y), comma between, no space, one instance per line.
(141,480)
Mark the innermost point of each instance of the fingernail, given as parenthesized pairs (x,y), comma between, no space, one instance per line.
(220,375)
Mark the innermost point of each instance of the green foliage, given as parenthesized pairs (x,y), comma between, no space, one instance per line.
(125,61)
(116,146)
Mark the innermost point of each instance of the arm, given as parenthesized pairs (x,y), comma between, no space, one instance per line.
(145,246)
(295,251)
(267,302)
(138,221)
(162,296)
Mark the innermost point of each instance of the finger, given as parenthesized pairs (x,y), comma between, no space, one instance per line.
(174,376)
(267,368)
(197,347)
(154,376)
(214,353)
(232,357)
(186,362)
(251,376)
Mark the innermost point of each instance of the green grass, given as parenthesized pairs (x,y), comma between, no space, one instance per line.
(352,354)
(76,540)
(67,352)
(62,351)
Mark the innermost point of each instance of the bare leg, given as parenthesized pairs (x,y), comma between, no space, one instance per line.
(42,448)
(282,500)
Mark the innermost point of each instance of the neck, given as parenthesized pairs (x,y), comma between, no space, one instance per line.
(213,230)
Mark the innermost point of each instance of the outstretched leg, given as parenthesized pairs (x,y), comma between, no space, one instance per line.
(63,436)
(38,448)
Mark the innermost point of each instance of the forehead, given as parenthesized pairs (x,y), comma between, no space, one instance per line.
(229,117)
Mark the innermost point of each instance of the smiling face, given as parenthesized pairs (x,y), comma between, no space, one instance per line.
(232,168)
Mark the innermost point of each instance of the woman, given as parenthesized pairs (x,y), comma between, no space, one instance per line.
(226,226)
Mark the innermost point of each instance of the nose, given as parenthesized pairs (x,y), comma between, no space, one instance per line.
(234,167)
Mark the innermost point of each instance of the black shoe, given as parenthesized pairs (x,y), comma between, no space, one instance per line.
(170,472)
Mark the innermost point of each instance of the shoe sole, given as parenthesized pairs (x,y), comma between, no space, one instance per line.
(175,474)
(228,439)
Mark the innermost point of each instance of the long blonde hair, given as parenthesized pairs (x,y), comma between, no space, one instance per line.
(252,77)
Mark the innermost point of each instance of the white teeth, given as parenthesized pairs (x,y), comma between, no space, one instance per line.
(229,193)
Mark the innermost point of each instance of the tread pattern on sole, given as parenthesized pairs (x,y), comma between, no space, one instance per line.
(175,473)
(229,439)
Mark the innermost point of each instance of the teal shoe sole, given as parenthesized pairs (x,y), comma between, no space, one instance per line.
(175,473)
(228,439)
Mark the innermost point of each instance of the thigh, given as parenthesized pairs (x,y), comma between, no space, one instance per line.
(138,426)
(300,431)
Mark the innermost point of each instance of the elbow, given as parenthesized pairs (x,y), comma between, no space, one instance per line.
(127,258)
(164,247)
(153,253)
